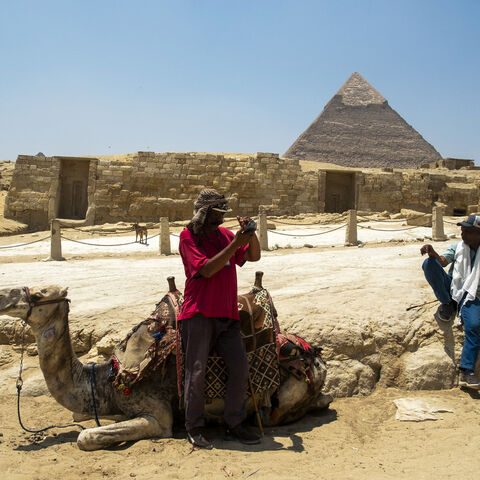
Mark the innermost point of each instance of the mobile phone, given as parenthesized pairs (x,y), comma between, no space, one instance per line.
(251,227)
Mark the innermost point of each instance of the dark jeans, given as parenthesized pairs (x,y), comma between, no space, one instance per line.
(199,336)
(469,311)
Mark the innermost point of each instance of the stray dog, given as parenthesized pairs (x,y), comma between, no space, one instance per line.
(140,233)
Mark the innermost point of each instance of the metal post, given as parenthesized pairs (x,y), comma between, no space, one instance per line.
(262,229)
(164,237)
(438,233)
(55,242)
(351,231)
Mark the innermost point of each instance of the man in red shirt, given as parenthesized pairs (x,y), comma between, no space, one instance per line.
(209,317)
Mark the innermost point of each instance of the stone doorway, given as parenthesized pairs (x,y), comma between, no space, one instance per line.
(339,191)
(73,202)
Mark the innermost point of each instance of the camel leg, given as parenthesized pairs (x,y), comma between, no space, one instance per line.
(137,428)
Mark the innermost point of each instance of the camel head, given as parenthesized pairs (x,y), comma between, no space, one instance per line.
(35,305)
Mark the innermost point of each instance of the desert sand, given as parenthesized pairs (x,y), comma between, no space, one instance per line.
(356,437)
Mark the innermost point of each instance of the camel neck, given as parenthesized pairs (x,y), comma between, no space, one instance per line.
(64,373)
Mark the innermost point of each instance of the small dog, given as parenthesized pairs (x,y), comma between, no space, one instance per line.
(140,233)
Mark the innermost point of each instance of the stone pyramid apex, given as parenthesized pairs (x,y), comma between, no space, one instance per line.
(357,91)
(358,128)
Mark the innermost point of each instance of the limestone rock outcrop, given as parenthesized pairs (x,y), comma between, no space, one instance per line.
(409,351)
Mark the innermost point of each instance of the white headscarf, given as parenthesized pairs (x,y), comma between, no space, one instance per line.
(465,277)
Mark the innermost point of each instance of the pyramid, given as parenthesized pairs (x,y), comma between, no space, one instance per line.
(357,128)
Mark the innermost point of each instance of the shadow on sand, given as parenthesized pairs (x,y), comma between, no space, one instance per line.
(271,440)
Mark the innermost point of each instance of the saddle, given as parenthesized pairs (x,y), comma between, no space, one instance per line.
(149,344)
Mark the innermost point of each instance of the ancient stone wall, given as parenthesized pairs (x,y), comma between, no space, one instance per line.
(418,190)
(28,196)
(146,186)
(380,191)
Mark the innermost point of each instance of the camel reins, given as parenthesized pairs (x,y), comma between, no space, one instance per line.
(19,384)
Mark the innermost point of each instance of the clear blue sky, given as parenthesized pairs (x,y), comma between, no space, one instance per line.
(83,77)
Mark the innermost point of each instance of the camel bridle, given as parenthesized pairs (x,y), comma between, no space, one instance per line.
(36,303)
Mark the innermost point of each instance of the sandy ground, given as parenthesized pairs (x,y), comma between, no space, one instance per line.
(356,438)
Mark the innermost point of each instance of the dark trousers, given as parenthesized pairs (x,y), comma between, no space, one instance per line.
(199,336)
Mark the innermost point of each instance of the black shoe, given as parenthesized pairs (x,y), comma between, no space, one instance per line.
(445,311)
(242,434)
(469,380)
(196,438)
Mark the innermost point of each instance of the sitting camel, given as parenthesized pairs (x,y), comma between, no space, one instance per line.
(150,406)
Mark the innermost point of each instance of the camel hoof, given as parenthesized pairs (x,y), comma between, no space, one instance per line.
(85,441)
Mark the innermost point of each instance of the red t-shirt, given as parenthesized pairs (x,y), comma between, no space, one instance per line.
(215,296)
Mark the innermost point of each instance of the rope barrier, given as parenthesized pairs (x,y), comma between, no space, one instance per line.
(370,219)
(99,244)
(299,224)
(309,234)
(388,229)
(28,243)
(101,233)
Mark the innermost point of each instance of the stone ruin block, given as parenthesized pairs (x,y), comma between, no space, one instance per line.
(418,219)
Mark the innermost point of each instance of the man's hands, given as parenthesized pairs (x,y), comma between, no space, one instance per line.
(241,239)
(430,251)
(243,222)
(247,238)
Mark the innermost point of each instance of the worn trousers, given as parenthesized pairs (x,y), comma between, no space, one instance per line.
(440,282)
(199,336)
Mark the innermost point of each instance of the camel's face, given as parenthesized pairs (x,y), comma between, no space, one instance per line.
(13,302)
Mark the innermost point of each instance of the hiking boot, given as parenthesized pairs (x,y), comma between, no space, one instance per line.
(445,311)
(469,380)
(196,438)
(242,434)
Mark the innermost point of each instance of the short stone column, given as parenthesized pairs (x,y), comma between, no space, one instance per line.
(262,229)
(351,231)
(164,237)
(438,233)
(55,242)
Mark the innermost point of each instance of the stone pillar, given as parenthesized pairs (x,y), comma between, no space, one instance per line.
(55,242)
(262,229)
(351,231)
(164,237)
(438,233)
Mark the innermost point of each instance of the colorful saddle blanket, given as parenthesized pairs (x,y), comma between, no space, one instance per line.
(148,345)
